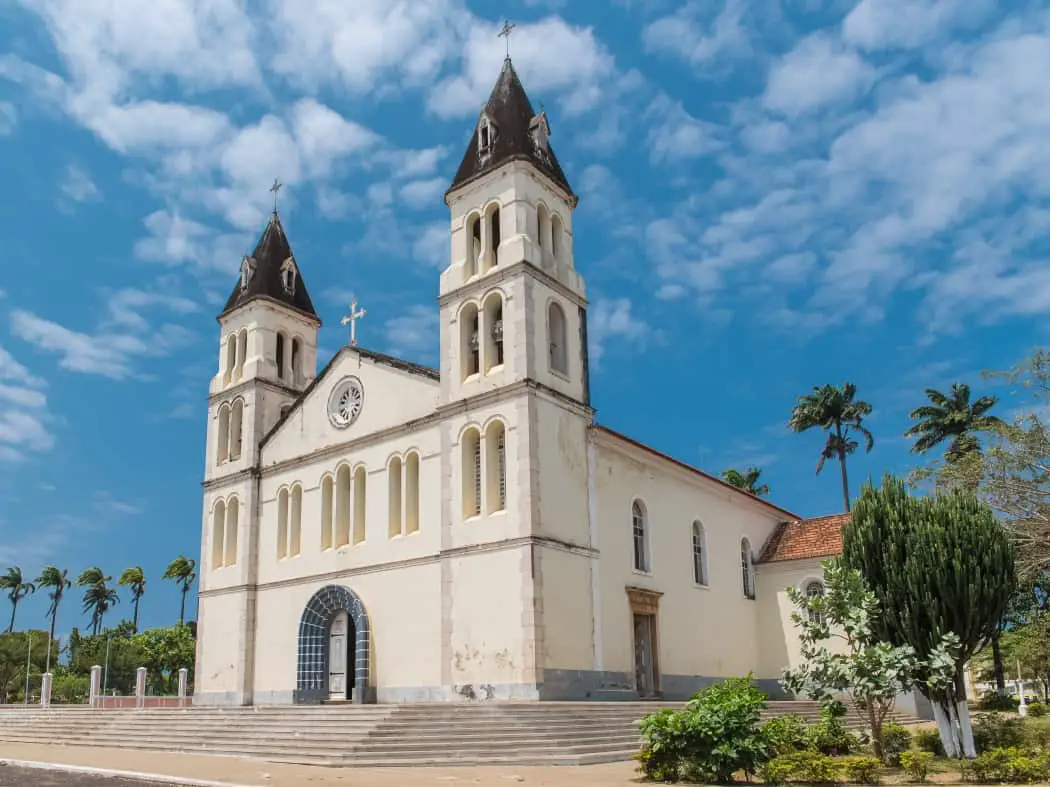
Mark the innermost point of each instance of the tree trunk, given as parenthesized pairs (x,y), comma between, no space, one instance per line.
(944,727)
(14,608)
(135,621)
(842,467)
(997,664)
(876,734)
(182,607)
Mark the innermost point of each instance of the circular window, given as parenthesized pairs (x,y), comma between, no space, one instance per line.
(344,405)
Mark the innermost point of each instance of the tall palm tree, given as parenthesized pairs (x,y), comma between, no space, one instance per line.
(183,570)
(135,580)
(747,481)
(17,589)
(98,598)
(952,417)
(838,412)
(58,581)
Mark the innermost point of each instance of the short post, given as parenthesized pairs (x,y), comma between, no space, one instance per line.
(184,675)
(140,687)
(96,686)
(1022,709)
(45,690)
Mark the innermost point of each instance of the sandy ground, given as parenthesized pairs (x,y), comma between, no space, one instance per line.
(266,774)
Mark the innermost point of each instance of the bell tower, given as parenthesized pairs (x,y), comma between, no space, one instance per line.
(513,307)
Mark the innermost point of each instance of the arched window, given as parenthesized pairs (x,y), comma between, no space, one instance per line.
(486,136)
(814,589)
(640,527)
(493,332)
(242,353)
(747,569)
(342,506)
(296,352)
(360,484)
(556,237)
(470,348)
(233,511)
(236,428)
(543,230)
(231,358)
(699,554)
(288,274)
(223,451)
(470,468)
(494,235)
(279,356)
(474,248)
(559,357)
(282,524)
(218,534)
(393,472)
(412,493)
(295,530)
(496,465)
(327,503)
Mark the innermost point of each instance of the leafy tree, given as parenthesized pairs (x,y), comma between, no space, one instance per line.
(839,413)
(99,598)
(125,657)
(57,581)
(952,417)
(183,571)
(14,648)
(17,589)
(135,580)
(748,481)
(165,651)
(939,565)
(871,672)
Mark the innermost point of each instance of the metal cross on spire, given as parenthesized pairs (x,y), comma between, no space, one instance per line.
(351,320)
(505,31)
(276,187)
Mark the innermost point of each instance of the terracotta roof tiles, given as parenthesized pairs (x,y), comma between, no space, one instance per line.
(800,539)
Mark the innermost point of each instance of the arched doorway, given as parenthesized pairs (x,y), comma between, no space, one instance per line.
(334,637)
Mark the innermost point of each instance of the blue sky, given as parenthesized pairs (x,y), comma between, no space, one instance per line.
(774,194)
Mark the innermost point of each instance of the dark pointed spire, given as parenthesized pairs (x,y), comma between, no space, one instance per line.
(271,272)
(509,130)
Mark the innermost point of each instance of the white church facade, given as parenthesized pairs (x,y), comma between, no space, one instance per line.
(378,531)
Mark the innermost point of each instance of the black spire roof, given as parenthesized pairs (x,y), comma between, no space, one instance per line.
(510,111)
(265,278)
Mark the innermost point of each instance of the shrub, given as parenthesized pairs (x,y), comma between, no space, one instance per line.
(916,764)
(994,701)
(70,689)
(1011,764)
(895,739)
(713,737)
(1037,710)
(996,731)
(829,735)
(801,766)
(785,734)
(862,770)
(930,740)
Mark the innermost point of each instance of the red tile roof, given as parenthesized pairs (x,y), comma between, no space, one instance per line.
(820,536)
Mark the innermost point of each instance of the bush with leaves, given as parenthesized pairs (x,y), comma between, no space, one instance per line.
(785,734)
(895,740)
(1037,710)
(996,731)
(994,701)
(929,741)
(916,764)
(810,767)
(862,769)
(1012,765)
(829,735)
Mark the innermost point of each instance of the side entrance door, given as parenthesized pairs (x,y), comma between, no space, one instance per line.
(644,674)
(337,657)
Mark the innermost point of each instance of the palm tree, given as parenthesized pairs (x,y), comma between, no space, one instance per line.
(952,417)
(747,481)
(183,571)
(58,581)
(839,413)
(97,598)
(134,579)
(17,589)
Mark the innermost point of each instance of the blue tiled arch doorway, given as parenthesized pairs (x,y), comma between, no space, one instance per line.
(311,682)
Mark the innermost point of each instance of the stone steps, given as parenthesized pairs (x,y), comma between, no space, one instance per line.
(506,733)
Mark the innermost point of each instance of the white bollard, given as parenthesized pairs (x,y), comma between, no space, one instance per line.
(45,690)
(184,675)
(95,694)
(140,687)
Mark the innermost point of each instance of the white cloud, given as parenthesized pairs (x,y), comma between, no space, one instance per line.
(904,24)
(413,333)
(675,134)
(432,245)
(8,118)
(699,36)
(23,412)
(818,72)
(611,319)
(324,135)
(78,185)
(423,193)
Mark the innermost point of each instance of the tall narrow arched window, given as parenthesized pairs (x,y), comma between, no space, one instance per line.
(222,451)
(242,353)
(470,468)
(496,467)
(814,590)
(747,569)
(296,354)
(494,235)
(342,506)
(279,355)
(640,532)
(218,534)
(543,231)
(327,504)
(470,347)
(295,530)
(233,515)
(236,428)
(412,493)
(699,554)
(282,524)
(556,237)
(559,357)
(474,250)
(231,358)
(393,473)
(493,332)
(360,506)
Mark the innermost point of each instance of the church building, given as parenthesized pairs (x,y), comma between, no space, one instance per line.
(380,531)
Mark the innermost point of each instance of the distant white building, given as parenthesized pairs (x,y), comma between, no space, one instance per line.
(381,531)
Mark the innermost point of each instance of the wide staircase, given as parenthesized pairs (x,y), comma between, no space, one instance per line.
(553,733)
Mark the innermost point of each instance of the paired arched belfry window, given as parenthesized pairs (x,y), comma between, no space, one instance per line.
(230,431)
(747,569)
(699,554)
(483,466)
(286,357)
(225,516)
(482,336)
(236,349)
(640,534)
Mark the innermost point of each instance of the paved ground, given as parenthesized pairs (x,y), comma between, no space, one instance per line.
(258,773)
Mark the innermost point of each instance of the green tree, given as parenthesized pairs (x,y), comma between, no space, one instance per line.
(57,582)
(165,651)
(939,565)
(99,598)
(839,413)
(15,647)
(952,417)
(135,580)
(17,589)
(183,571)
(748,481)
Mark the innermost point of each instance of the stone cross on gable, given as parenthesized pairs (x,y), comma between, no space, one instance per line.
(351,320)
